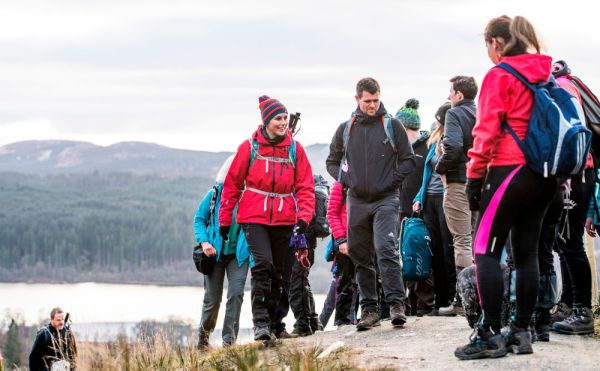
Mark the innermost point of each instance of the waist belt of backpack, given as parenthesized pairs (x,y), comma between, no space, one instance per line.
(270,194)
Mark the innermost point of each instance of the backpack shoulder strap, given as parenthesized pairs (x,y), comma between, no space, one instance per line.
(389,131)
(213,202)
(253,150)
(345,137)
(516,74)
(292,153)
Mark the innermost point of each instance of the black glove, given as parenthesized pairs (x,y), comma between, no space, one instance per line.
(473,191)
(224,232)
(300,227)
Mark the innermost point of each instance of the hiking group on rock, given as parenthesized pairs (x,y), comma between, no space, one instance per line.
(493,218)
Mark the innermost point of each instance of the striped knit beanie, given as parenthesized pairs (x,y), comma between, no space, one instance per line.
(408,115)
(269,108)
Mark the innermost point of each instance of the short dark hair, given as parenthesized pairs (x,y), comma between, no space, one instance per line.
(466,85)
(368,84)
(55,311)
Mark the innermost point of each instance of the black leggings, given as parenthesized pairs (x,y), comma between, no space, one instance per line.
(514,198)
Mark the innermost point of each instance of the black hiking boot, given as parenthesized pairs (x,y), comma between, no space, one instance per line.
(541,333)
(262,333)
(580,322)
(367,320)
(202,341)
(483,344)
(562,312)
(285,335)
(518,340)
(397,314)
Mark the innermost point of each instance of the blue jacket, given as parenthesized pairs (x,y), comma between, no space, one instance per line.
(427,171)
(209,230)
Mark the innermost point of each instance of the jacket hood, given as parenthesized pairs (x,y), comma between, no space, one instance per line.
(287,141)
(535,67)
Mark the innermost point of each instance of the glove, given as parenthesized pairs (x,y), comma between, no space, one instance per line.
(302,257)
(473,190)
(300,227)
(224,232)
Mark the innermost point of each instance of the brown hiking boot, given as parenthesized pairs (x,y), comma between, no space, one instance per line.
(368,319)
(397,314)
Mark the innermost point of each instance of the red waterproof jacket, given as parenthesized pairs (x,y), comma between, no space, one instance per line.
(267,190)
(504,97)
(336,212)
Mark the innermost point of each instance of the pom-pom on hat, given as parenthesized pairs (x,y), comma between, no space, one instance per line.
(269,108)
(440,115)
(408,115)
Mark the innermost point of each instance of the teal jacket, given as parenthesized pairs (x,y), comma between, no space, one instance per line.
(208,230)
(427,171)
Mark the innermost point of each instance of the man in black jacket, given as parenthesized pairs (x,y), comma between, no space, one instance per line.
(458,139)
(372,162)
(54,342)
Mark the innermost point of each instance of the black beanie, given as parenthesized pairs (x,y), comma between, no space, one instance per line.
(440,115)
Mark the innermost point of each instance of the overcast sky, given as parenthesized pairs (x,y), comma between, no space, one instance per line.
(188,74)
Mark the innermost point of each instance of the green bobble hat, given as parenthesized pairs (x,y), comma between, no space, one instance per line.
(408,115)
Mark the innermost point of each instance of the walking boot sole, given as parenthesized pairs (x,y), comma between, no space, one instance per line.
(484,354)
(571,332)
(365,328)
(398,321)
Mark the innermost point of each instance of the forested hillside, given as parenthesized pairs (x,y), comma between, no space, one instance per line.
(84,226)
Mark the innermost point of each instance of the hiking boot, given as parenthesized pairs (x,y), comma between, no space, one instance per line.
(541,333)
(397,314)
(262,333)
(580,322)
(433,313)
(518,340)
(227,343)
(483,344)
(367,320)
(301,332)
(452,310)
(562,312)
(285,335)
(202,341)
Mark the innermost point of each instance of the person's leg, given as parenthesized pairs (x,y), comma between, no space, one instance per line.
(345,289)
(213,291)
(385,231)
(259,243)
(440,274)
(299,300)
(283,307)
(236,280)
(280,240)
(458,218)
(329,304)
(361,251)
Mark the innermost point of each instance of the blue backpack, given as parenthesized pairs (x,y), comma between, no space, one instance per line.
(415,247)
(557,142)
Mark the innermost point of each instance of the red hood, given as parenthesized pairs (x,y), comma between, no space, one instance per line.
(261,140)
(535,67)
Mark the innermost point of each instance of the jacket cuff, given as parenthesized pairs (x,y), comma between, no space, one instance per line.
(341,241)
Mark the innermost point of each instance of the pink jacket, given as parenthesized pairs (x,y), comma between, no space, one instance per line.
(336,212)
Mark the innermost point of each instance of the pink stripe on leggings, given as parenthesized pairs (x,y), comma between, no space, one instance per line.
(482,236)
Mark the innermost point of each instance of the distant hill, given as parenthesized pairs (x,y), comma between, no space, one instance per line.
(49,157)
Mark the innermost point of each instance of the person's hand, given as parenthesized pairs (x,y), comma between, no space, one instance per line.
(590,228)
(343,248)
(417,207)
(224,232)
(444,182)
(300,227)
(302,257)
(473,190)
(208,249)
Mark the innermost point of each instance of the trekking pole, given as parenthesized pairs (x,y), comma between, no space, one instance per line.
(294,119)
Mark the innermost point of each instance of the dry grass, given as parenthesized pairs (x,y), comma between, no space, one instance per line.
(159,354)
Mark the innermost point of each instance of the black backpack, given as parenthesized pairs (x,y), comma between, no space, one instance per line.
(319,225)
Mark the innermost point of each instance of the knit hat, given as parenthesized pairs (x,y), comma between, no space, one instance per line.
(408,115)
(440,115)
(269,108)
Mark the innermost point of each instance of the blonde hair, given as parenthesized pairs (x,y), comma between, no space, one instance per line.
(436,137)
(516,35)
(222,173)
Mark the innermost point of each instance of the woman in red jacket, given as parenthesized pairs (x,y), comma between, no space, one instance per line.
(337,217)
(272,180)
(508,194)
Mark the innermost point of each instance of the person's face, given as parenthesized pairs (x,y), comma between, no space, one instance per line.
(493,50)
(58,322)
(368,103)
(278,125)
(455,96)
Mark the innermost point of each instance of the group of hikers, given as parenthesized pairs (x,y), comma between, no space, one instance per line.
(494,219)
(493,216)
